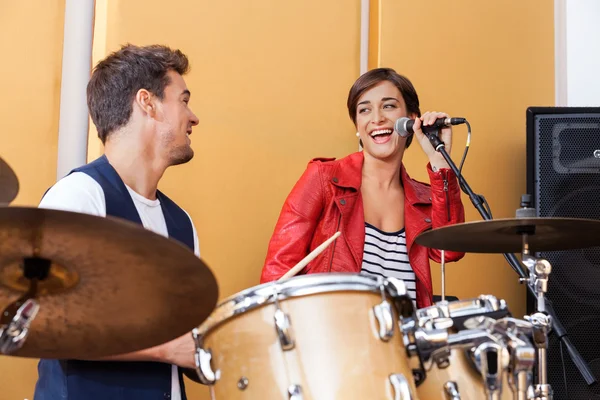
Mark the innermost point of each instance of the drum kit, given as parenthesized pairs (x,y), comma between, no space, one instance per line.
(79,286)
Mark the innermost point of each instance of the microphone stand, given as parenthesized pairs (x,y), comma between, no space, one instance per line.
(512,260)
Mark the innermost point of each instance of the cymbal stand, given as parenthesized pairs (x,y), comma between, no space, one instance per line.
(14,324)
(514,262)
(539,270)
(443,266)
(17,316)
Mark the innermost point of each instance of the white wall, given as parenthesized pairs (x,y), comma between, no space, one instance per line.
(581,49)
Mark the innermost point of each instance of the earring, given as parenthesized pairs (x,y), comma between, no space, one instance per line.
(357,134)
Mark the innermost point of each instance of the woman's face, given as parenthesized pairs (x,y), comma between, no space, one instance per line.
(376,112)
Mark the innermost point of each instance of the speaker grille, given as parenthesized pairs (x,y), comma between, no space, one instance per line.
(566,166)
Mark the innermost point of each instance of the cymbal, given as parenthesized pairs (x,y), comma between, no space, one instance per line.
(505,235)
(113,287)
(9,184)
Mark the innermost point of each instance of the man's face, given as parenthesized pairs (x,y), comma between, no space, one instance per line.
(175,121)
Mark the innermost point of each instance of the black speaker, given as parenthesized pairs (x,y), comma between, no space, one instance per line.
(563,177)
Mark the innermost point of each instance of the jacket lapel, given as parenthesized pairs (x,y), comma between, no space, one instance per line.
(346,180)
(416,220)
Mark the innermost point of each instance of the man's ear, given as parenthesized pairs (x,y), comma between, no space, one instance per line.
(146,101)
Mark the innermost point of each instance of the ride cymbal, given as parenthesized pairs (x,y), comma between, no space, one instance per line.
(506,235)
(113,287)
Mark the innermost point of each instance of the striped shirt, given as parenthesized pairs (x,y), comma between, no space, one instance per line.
(385,255)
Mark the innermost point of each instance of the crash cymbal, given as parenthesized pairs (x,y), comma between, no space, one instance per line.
(113,287)
(9,184)
(505,235)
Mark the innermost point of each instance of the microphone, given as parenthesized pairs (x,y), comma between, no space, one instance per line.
(404,126)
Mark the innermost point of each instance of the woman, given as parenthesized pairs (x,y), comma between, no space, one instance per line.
(370,198)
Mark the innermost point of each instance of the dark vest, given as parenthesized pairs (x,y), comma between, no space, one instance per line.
(100,380)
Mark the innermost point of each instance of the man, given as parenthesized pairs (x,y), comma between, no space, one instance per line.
(138,100)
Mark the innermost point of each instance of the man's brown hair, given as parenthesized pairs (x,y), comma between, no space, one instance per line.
(116,80)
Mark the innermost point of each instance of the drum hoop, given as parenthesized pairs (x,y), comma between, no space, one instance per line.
(298,286)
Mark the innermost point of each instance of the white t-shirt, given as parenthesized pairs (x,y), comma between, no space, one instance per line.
(80,193)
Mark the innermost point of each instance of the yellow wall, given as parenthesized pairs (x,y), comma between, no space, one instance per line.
(269,82)
(30,72)
(485,61)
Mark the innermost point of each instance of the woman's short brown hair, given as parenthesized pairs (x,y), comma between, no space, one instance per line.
(376,76)
(116,80)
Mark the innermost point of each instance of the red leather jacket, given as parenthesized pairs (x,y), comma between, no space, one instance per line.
(327,198)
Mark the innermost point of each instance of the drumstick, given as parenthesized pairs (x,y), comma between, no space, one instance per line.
(313,254)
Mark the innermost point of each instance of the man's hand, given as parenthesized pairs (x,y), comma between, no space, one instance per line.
(180,351)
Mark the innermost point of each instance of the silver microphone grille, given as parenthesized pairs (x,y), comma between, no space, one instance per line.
(400,127)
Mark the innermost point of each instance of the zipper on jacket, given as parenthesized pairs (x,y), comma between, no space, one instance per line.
(445,175)
(334,243)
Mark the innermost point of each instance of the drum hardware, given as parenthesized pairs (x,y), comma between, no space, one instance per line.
(295,392)
(506,325)
(14,326)
(498,349)
(400,387)
(383,314)
(283,325)
(432,346)
(437,316)
(519,235)
(442,314)
(491,359)
(541,326)
(498,236)
(396,288)
(491,356)
(242,383)
(105,279)
(451,391)
(426,335)
(203,360)
(468,339)
(283,328)
(514,333)
(443,271)
(522,361)
(539,270)
(16,318)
